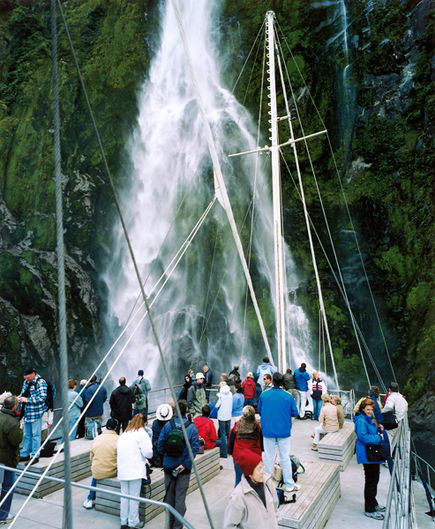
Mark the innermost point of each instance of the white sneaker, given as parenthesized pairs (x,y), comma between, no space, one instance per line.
(88,504)
(138,526)
(295,488)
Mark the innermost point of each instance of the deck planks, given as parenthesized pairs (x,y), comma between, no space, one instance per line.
(339,446)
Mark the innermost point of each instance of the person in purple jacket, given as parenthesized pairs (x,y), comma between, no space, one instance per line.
(276,408)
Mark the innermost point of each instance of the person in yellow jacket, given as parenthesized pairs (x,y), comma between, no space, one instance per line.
(103,458)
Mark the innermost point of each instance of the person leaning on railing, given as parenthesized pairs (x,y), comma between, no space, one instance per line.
(370,454)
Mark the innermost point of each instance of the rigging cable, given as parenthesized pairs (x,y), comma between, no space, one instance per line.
(322,208)
(346,206)
(310,239)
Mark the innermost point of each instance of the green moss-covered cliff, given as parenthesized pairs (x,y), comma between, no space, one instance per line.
(376,100)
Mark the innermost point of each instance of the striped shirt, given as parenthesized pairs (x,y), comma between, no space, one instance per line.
(36,406)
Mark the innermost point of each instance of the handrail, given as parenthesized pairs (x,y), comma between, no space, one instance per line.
(400,508)
(168,508)
(428,466)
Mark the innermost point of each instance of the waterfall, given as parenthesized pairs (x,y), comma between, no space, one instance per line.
(200,313)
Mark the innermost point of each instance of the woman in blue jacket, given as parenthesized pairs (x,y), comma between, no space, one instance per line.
(368,433)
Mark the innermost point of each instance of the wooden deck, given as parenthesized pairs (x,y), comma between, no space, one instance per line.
(208,466)
(338,447)
(320,491)
(80,469)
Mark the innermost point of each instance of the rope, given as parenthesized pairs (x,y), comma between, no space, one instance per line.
(68,518)
(221,190)
(325,217)
(346,205)
(310,239)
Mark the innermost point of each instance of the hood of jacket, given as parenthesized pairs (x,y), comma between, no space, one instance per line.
(123,389)
(224,390)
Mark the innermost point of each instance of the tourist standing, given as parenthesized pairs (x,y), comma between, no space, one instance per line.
(328,420)
(235,375)
(177,464)
(267,382)
(301,382)
(206,428)
(253,503)
(367,433)
(141,387)
(262,369)
(185,389)
(224,405)
(81,425)
(196,397)
(276,408)
(103,456)
(317,389)
(238,403)
(121,401)
(397,404)
(33,397)
(164,413)
(11,436)
(246,434)
(208,380)
(94,414)
(249,389)
(134,448)
(75,410)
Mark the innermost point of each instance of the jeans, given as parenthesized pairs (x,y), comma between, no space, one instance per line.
(283,444)
(224,432)
(250,402)
(130,508)
(32,437)
(92,493)
(317,406)
(371,473)
(8,481)
(238,472)
(304,396)
(175,495)
(97,420)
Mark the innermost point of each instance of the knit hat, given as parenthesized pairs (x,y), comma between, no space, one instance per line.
(112,424)
(250,375)
(164,412)
(247,460)
(199,375)
(249,412)
(29,370)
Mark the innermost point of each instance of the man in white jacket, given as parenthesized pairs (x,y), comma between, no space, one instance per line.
(396,403)
(224,405)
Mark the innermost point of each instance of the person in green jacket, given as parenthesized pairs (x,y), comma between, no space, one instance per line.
(141,387)
(11,436)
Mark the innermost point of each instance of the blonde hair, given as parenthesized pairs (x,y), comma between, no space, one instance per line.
(365,403)
(336,400)
(326,398)
(136,423)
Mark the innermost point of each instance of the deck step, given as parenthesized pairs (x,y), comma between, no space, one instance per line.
(208,467)
(320,491)
(339,446)
(80,469)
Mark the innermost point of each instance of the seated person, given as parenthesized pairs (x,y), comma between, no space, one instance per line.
(206,428)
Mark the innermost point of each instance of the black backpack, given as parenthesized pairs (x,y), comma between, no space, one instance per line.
(51,395)
(175,442)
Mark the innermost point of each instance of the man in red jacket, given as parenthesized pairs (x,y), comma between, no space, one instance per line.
(206,428)
(249,389)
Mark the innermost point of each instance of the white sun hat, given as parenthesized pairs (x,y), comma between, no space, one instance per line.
(164,412)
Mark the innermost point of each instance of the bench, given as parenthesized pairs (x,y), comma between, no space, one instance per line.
(320,491)
(80,469)
(208,467)
(339,446)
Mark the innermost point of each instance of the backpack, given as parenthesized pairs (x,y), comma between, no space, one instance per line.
(91,430)
(137,390)
(175,443)
(297,468)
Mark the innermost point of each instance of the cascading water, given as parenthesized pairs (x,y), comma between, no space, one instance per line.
(200,313)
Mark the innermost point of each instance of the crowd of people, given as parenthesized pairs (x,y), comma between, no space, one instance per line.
(254,418)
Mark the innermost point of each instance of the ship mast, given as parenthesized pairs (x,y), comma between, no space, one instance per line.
(276,194)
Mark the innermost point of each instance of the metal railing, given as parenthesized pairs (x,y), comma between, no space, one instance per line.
(400,508)
(423,470)
(167,508)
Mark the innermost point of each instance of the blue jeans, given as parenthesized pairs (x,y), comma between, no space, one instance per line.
(32,437)
(224,432)
(238,472)
(317,406)
(8,481)
(283,445)
(92,494)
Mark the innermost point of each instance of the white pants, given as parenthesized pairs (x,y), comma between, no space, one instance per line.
(283,445)
(317,431)
(304,396)
(130,508)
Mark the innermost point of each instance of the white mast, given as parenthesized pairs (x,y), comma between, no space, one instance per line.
(276,192)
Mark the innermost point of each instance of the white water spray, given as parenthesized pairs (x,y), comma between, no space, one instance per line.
(199,315)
